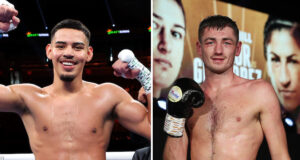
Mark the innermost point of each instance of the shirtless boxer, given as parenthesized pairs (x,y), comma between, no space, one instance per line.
(72,118)
(8,16)
(237,113)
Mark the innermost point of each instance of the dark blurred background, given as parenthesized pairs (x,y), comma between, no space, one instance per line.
(23,59)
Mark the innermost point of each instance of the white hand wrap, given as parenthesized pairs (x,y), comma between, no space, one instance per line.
(144,76)
(174,126)
(4,2)
(11,26)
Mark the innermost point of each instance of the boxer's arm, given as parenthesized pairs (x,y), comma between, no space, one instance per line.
(271,123)
(10,100)
(145,99)
(142,96)
(176,148)
(134,116)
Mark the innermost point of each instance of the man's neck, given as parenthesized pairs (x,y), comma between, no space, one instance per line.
(215,82)
(67,87)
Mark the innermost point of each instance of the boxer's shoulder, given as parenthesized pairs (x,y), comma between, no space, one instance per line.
(261,91)
(252,85)
(264,90)
(260,86)
(26,88)
(108,87)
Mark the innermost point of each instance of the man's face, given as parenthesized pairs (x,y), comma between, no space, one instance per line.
(283,61)
(218,49)
(69,51)
(168,39)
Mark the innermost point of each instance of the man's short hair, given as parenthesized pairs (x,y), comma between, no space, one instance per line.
(73,24)
(219,22)
(274,23)
(295,31)
(179,2)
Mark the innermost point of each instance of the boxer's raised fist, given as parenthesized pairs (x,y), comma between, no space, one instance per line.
(130,67)
(184,95)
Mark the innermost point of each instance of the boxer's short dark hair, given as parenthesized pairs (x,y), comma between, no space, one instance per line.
(218,22)
(272,24)
(179,3)
(73,24)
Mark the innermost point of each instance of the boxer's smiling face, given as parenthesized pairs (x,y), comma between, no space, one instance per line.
(218,49)
(69,51)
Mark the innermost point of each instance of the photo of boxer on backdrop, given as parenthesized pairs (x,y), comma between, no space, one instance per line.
(168,49)
(282,53)
(72,118)
(169,33)
(229,125)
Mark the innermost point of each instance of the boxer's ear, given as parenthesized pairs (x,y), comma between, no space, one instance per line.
(90,53)
(198,49)
(49,51)
(238,48)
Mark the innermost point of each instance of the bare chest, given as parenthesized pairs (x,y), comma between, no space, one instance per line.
(225,113)
(68,118)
